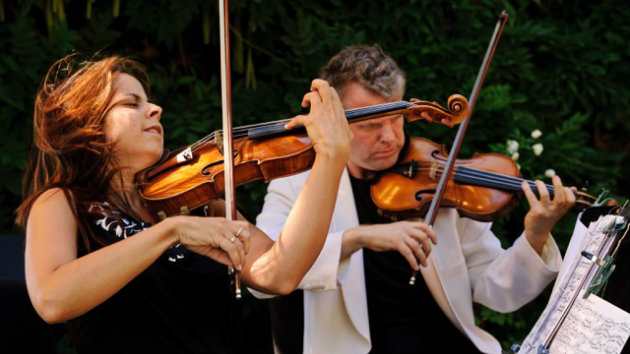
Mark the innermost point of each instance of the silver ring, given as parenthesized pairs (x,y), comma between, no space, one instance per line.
(233,238)
(238,232)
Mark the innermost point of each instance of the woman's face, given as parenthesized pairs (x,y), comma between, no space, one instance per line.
(133,125)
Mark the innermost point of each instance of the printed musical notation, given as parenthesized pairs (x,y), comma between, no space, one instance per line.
(569,323)
(592,326)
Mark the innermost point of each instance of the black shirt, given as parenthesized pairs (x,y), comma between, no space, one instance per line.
(403,318)
(180,304)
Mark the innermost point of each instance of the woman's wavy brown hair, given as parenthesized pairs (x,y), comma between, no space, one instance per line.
(70,151)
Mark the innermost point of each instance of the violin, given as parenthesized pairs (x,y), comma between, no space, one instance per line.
(483,187)
(190,177)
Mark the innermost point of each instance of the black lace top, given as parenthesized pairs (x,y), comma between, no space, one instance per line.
(181,303)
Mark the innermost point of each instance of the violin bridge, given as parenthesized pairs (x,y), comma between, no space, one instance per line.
(218,141)
(433,170)
(410,171)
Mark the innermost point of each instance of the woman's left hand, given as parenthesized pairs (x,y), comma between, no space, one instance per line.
(326,123)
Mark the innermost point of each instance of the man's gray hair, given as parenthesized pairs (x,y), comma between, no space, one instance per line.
(368,66)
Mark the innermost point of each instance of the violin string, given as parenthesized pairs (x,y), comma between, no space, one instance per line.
(502,180)
(280,122)
(275,126)
(379,108)
(279,125)
(513,183)
(239,132)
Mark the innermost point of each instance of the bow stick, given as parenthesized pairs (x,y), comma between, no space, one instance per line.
(226,103)
(437,198)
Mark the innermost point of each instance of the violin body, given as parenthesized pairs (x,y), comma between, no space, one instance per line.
(175,187)
(407,189)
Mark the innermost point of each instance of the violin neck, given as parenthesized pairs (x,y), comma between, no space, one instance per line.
(353,115)
(471,176)
(371,112)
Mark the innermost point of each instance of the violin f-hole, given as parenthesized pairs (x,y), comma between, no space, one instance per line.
(206,170)
(419,193)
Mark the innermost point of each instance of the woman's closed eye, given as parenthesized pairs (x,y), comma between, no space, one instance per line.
(132,100)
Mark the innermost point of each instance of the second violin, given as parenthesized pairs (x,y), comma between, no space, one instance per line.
(481,188)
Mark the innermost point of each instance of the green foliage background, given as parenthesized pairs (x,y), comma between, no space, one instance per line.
(561,67)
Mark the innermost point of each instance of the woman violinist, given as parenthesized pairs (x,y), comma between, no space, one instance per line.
(97,259)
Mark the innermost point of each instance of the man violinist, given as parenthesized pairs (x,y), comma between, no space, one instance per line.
(356,297)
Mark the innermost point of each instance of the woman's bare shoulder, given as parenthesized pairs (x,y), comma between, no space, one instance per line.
(53,202)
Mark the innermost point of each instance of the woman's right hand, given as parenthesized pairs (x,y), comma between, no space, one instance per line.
(226,242)
(326,123)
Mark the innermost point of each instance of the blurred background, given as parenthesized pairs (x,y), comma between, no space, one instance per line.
(561,70)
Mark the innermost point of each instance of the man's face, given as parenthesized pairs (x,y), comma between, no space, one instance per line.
(377,142)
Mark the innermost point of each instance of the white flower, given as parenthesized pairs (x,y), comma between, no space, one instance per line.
(550,173)
(538,149)
(515,156)
(536,134)
(512,146)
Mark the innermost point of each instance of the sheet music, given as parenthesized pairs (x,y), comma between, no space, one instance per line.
(575,275)
(575,247)
(593,326)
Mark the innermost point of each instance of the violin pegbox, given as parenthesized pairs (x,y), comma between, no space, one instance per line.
(455,113)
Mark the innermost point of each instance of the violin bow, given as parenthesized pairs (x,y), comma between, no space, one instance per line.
(439,192)
(226,103)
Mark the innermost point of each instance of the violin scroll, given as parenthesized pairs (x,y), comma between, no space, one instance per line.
(455,113)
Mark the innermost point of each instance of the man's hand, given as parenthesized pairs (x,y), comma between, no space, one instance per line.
(545,212)
(412,239)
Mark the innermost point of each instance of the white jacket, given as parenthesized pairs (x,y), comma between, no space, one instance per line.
(467,264)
